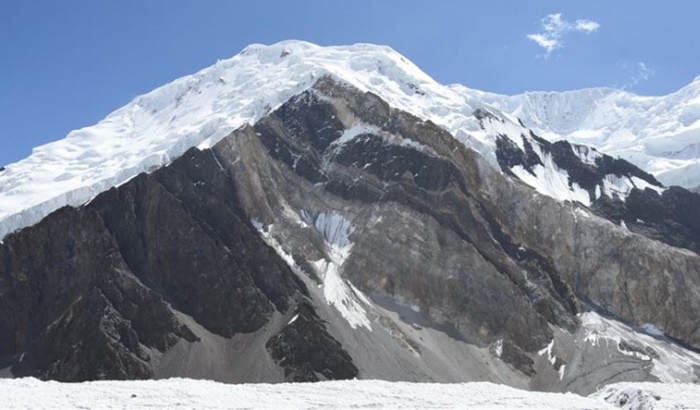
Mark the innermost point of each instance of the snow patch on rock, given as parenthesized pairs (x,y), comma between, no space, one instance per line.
(550,180)
(338,292)
(550,356)
(498,347)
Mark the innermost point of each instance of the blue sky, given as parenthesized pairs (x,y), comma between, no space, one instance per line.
(66,64)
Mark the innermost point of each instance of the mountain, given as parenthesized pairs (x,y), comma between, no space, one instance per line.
(661,134)
(300,213)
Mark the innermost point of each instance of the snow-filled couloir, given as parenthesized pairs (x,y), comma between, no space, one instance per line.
(200,109)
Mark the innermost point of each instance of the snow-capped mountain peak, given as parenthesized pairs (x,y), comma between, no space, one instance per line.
(200,109)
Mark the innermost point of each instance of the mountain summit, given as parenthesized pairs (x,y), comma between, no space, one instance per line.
(197,111)
(300,213)
(200,109)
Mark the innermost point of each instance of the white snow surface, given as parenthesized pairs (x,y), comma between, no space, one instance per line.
(658,133)
(357,394)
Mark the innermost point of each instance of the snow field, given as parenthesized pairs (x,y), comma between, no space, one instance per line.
(356,394)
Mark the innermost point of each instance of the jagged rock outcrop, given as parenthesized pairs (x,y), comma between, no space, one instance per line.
(354,240)
(307,352)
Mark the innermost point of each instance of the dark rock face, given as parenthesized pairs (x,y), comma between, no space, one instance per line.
(510,155)
(62,280)
(521,361)
(307,352)
(588,176)
(392,163)
(84,292)
(671,217)
(90,341)
(180,233)
(482,114)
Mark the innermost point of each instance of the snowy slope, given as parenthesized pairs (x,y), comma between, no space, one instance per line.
(660,134)
(200,109)
(186,393)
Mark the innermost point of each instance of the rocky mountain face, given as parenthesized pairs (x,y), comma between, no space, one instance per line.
(339,237)
(612,188)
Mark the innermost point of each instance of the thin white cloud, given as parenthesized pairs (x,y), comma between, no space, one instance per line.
(554,27)
(641,73)
(587,26)
(545,42)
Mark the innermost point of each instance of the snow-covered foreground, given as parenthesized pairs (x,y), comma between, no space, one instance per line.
(187,393)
